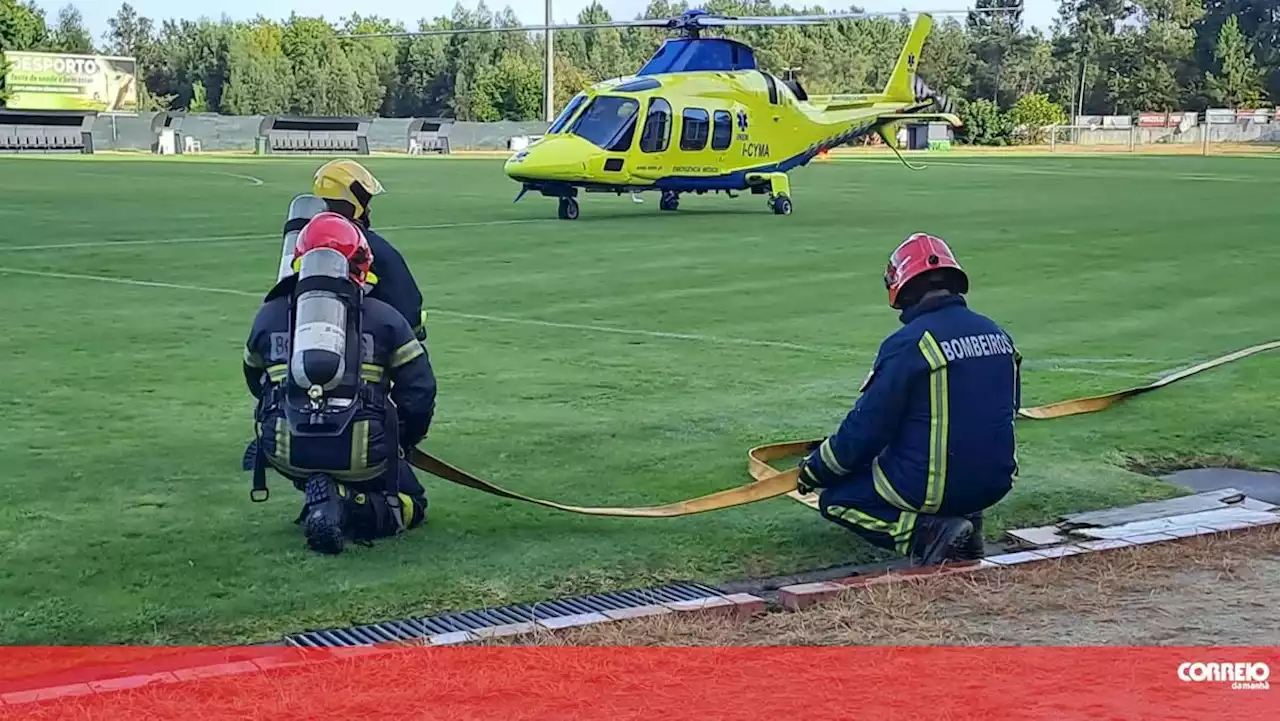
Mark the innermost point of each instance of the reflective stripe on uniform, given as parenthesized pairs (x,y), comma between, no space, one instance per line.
(808,473)
(371,372)
(278,372)
(422,324)
(886,490)
(406,353)
(1017,381)
(900,532)
(903,531)
(253,360)
(939,416)
(828,456)
(359,446)
(406,511)
(282,454)
(860,519)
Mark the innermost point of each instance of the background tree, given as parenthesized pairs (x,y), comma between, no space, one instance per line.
(995,38)
(21,28)
(1100,56)
(259,76)
(1238,82)
(69,34)
(1031,115)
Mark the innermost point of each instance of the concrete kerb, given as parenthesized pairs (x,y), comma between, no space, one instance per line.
(804,595)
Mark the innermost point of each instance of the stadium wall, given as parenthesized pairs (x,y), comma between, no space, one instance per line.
(239,133)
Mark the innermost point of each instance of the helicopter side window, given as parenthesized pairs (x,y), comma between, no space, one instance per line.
(608,122)
(695,127)
(657,127)
(566,114)
(722,133)
(773,88)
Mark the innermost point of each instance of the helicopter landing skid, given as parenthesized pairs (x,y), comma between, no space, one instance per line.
(777,185)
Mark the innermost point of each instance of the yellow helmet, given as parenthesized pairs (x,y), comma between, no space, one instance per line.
(347,181)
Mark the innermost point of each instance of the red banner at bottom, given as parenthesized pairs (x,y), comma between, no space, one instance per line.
(651,683)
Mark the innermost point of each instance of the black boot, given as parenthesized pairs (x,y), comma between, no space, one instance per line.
(974,548)
(381,514)
(935,538)
(322,522)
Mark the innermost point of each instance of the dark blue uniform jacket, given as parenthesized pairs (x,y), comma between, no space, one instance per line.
(395,283)
(394,362)
(935,420)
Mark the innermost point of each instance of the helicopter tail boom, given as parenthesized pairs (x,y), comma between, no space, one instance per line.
(903,85)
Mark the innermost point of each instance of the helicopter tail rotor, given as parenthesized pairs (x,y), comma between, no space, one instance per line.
(925,93)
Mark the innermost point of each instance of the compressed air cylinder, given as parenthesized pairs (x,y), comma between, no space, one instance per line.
(302,209)
(320,325)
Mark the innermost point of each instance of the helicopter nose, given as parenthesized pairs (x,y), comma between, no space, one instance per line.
(552,158)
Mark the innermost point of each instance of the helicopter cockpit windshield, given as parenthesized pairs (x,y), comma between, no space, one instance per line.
(567,114)
(609,122)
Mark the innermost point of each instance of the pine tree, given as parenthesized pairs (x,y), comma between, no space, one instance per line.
(70,35)
(1238,82)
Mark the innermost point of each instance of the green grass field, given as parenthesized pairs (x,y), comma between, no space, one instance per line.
(630,357)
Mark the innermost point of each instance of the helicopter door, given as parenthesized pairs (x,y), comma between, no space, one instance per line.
(655,138)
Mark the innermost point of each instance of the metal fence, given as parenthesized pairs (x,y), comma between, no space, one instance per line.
(1176,132)
(238,133)
(1184,133)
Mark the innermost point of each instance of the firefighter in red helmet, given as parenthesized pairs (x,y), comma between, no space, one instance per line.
(929,445)
(344,389)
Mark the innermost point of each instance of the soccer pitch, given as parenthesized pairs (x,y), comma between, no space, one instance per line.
(630,357)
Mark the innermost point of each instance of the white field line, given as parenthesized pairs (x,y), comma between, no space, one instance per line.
(1092,172)
(255,236)
(127,281)
(1059,365)
(250,178)
(724,340)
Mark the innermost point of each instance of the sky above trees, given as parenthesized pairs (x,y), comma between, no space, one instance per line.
(1038,13)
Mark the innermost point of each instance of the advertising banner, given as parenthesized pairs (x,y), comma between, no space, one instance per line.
(63,81)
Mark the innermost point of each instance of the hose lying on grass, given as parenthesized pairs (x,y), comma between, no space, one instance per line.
(769,482)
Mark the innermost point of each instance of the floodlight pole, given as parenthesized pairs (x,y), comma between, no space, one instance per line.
(548,75)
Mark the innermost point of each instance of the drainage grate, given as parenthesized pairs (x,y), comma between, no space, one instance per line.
(420,628)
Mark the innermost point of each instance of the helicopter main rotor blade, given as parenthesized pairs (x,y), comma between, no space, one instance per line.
(682,22)
(736,21)
(659,23)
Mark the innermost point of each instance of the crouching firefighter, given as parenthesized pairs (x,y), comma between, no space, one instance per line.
(929,445)
(348,188)
(344,389)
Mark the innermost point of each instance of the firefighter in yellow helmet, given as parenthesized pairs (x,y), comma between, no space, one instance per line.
(347,188)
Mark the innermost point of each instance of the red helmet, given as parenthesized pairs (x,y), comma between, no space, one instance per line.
(919,254)
(330,230)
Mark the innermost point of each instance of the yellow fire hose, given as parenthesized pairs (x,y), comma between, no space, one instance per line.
(770,482)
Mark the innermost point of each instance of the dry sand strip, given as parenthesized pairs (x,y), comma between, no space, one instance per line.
(1218,589)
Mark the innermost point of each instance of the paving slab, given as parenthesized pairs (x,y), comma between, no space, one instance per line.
(1181,525)
(1038,536)
(1259,485)
(1208,501)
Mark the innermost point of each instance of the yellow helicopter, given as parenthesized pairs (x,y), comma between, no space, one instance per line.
(709,119)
